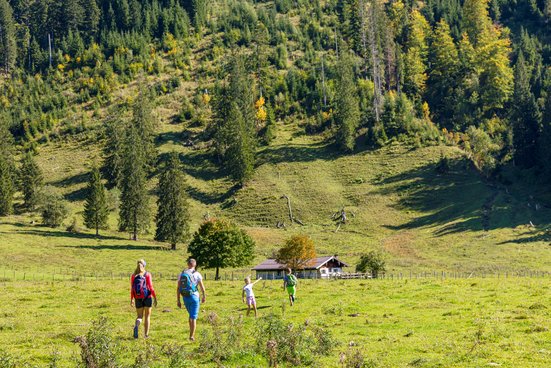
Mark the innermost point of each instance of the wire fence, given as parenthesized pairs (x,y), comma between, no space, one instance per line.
(11,275)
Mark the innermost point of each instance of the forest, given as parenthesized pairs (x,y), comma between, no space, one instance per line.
(475,74)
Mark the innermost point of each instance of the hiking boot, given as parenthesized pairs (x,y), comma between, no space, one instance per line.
(136,332)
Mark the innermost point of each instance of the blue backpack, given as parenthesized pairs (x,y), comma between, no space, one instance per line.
(188,283)
(141,291)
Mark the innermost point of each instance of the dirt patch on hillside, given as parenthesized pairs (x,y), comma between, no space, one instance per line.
(401,245)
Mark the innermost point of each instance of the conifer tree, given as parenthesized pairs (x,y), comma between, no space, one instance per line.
(7,171)
(134,209)
(143,120)
(8,45)
(476,21)
(444,60)
(415,57)
(96,211)
(113,152)
(526,117)
(347,108)
(199,14)
(92,16)
(235,121)
(72,15)
(172,205)
(30,180)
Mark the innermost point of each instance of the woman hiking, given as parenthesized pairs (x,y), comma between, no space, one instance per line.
(189,283)
(142,296)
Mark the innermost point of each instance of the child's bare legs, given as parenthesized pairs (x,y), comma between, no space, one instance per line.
(291,299)
(248,309)
(254,306)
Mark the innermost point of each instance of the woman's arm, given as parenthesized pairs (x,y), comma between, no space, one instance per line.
(149,282)
(132,290)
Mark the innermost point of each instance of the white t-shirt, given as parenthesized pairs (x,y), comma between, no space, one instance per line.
(249,290)
(198,277)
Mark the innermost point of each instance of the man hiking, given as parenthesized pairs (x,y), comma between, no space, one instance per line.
(189,284)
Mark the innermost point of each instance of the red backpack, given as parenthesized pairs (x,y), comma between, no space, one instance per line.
(139,286)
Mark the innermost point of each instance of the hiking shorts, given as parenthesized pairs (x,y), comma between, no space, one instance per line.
(144,303)
(192,304)
(251,301)
(291,290)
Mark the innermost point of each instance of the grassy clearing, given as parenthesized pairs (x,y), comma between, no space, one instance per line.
(424,323)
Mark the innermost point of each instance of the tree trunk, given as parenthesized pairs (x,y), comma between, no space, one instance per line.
(217,277)
(173,246)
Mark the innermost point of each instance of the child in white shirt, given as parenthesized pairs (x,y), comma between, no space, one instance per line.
(249,294)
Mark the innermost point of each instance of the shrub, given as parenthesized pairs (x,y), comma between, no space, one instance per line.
(52,208)
(372,262)
(98,348)
(222,340)
(7,360)
(177,357)
(443,165)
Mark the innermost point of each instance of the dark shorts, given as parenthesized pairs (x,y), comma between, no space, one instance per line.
(141,303)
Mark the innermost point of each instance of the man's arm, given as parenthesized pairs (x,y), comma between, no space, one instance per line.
(178,301)
(202,287)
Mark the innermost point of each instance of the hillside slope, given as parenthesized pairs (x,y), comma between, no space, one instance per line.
(395,200)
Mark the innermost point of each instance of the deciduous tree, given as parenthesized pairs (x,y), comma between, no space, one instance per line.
(219,244)
(297,253)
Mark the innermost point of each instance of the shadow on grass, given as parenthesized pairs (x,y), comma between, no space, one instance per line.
(76,195)
(65,234)
(297,153)
(72,180)
(453,200)
(258,308)
(117,247)
(539,237)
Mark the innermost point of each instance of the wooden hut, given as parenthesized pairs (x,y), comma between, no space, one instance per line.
(321,267)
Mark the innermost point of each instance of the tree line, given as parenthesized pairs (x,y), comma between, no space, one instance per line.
(473,73)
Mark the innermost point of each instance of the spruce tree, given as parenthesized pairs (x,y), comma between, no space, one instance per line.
(172,205)
(72,15)
(235,123)
(8,44)
(526,117)
(134,209)
(444,60)
(347,108)
(92,15)
(113,152)
(476,21)
(30,180)
(143,120)
(7,171)
(415,57)
(96,211)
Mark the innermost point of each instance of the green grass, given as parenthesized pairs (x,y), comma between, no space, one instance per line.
(424,323)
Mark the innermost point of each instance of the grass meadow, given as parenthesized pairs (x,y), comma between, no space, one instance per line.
(390,323)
